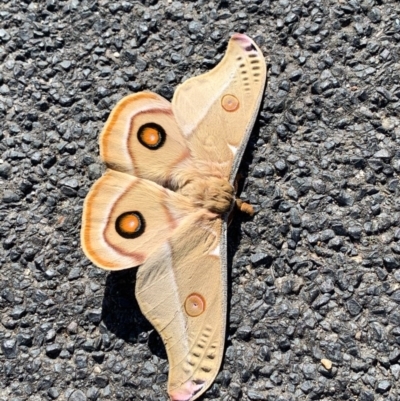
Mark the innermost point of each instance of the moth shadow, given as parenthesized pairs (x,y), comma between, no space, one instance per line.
(233,244)
(243,172)
(122,316)
(234,233)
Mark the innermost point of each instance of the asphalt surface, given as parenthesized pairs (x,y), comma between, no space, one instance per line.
(314,275)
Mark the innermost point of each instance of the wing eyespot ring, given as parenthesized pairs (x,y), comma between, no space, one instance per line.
(230,103)
(195,305)
(130,225)
(152,136)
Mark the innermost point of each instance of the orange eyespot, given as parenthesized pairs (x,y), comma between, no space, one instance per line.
(130,225)
(230,103)
(195,305)
(152,136)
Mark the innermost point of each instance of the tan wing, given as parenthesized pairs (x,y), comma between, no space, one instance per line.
(181,290)
(126,218)
(142,138)
(216,110)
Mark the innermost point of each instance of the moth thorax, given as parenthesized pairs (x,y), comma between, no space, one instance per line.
(212,193)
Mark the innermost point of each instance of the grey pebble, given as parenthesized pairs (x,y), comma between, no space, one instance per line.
(69,182)
(94,315)
(94,171)
(9,348)
(259,258)
(101,381)
(77,395)
(383,153)
(354,307)
(72,328)
(280,165)
(5,169)
(10,196)
(53,350)
(383,386)
(148,369)
(367,396)
(256,395)
(194,27)
(244,332)
(374,15)
(53,393)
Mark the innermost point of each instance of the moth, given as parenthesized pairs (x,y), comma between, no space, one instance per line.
(164,201)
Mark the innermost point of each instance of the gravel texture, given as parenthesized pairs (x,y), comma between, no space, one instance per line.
(314,289)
